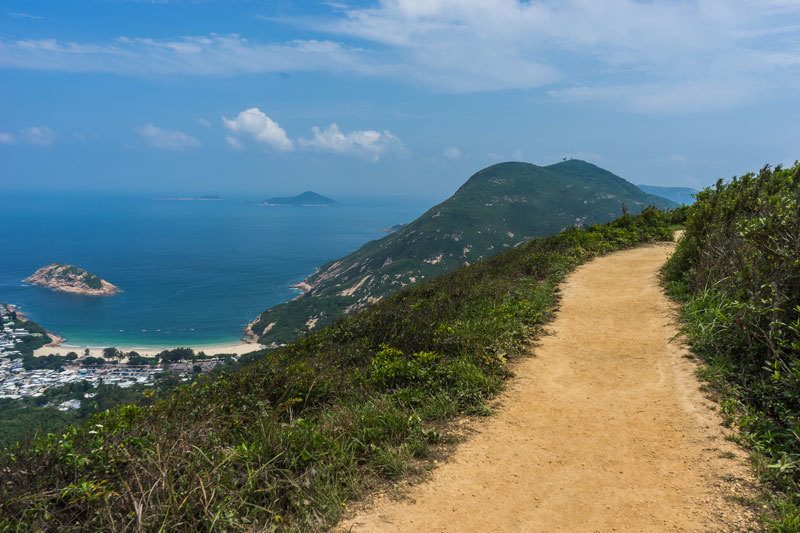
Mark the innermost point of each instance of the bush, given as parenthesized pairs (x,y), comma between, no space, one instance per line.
(175,354)
(738,271)
(111,353)
(93,361)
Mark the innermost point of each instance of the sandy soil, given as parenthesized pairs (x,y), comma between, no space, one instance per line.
(95,351)
(605,429)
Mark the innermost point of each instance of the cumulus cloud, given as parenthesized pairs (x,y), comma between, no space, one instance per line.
(255,124)
(38,135)
(367,144)
(6,138)
(162,139)
(452,153)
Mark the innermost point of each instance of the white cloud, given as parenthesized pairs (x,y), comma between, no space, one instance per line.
(212,55)
(6,138)
(27,16)
(657,56)
(367,144)
(233,142)
(203,122)
(676,158)
(518,155)
(667,97)
(254,123)
(166,139)
(38,135)
(452,153)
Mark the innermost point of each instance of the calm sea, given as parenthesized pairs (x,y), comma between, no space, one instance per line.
(192,272)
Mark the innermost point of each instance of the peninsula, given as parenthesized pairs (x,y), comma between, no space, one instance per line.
(306,199)
(69,278)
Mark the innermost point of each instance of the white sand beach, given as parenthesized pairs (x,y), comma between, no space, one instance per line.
(238,348)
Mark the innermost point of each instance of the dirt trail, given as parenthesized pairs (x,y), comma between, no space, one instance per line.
(605,429)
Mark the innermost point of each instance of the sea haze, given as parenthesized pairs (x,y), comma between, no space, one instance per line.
(192,272)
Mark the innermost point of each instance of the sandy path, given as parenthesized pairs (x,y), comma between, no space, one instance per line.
(605,429)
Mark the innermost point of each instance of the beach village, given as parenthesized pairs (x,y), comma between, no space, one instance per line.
(16,381)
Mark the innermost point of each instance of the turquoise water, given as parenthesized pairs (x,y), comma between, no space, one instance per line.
(192,272)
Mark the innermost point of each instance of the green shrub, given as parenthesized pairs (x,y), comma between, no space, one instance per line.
(738,272)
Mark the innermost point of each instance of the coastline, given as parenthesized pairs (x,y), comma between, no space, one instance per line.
(249,343)
(55,340)
(302,286)
(59,345)
(235,348)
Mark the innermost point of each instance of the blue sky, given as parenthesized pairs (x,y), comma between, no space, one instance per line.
(400,97)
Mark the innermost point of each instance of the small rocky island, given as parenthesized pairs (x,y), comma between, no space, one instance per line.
(68,278)
(306,199)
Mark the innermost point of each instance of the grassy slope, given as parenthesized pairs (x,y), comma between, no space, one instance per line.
(496,209)
(286,441)
(737,273)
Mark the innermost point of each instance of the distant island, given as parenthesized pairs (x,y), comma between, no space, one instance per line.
(205,197)
(306,199)
(69,278)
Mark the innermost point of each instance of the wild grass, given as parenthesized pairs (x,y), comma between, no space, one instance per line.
(737,274)
(292,436)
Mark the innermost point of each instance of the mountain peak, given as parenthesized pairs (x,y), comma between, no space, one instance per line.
(498,208)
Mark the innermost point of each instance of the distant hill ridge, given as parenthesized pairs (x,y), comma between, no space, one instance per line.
(306,199)
(498,208)
(679,195)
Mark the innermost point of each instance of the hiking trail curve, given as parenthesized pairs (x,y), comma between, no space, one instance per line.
(605,428)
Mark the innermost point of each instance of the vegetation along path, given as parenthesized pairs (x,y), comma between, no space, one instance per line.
(606,428)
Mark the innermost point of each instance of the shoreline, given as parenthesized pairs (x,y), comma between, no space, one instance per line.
(236,348)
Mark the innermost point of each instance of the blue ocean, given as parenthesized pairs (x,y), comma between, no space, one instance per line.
(192,272)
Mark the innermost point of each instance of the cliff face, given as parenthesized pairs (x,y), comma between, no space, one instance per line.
(68,278)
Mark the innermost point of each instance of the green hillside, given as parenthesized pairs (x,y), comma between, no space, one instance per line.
(498,208)
(288,440)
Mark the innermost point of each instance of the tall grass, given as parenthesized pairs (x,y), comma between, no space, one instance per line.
(737,272)
(288,439)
